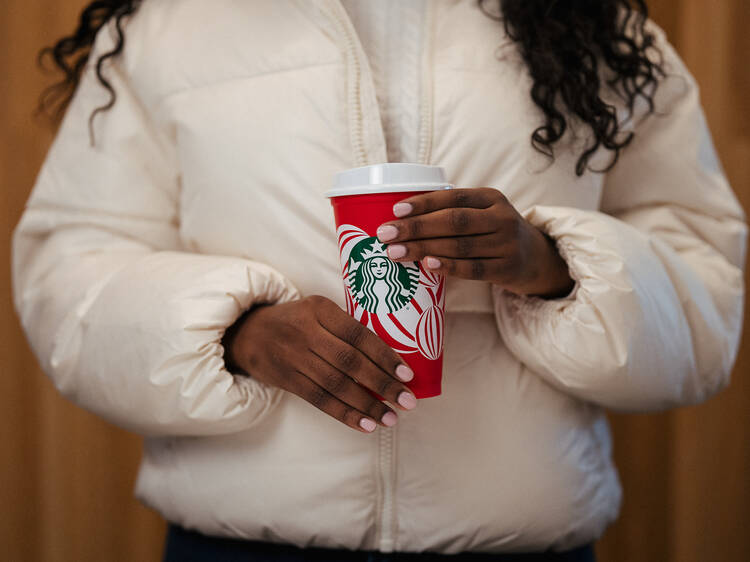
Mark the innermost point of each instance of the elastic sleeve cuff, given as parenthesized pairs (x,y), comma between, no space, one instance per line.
(146,352)
(619,338)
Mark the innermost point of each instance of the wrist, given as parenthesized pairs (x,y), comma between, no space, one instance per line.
(549,277)
(230,342)
(554,280)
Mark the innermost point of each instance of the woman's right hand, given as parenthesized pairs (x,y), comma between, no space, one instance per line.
(314,349)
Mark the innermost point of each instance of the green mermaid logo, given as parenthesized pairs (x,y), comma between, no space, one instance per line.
(377,283)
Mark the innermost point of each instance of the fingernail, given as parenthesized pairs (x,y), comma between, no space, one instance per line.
(433,263)
(387,232)
(367,424)
(396,251)
(402,209)
(389,419)
(407,400)
(404,373)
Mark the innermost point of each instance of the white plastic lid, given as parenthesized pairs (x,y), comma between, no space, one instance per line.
(388,177)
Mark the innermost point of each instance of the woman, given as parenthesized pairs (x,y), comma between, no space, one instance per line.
(176,270)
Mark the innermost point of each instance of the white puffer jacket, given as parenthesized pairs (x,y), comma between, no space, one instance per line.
(203,195)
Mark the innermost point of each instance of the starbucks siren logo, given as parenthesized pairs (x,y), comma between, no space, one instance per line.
(400,301)
(378,284)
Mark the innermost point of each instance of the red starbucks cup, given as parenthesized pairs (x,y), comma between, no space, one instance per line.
(401,302)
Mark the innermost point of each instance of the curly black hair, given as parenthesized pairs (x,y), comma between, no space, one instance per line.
(564,44)
(567,45)
(71,53)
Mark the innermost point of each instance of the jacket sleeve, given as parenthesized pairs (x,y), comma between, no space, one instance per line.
(655,315)
(125,323)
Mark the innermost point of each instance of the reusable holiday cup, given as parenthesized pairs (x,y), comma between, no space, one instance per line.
(401,302)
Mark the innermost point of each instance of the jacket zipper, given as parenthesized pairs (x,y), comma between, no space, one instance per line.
(354,79)
(385,504)
(386,521)
(424,151)
(354,86)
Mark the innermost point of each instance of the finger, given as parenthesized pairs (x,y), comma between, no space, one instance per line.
(481,269)
(346,356)
(477,197)
(340,324)
(309,390)
(346,389)
(461,247)
(455,221)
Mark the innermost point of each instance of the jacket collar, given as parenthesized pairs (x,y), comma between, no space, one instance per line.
(363,113)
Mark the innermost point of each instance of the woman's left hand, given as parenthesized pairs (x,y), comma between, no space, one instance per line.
(475,233)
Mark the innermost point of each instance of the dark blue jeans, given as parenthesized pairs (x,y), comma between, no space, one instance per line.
(189,546)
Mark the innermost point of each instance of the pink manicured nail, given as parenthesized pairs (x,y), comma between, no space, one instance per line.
(387,232)
(433,263)
(407,400)
(367,424)
(404,373)
(389,419)
(396,251)
(402,209)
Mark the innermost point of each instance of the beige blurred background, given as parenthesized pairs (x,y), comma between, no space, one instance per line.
(66,477)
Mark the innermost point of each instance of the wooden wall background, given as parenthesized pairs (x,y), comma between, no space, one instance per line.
(66,477)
